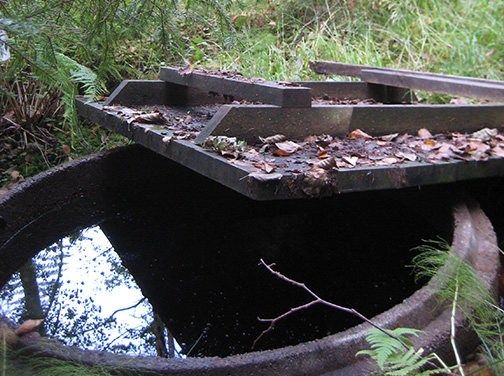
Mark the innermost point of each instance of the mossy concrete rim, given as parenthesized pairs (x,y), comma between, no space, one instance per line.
(78,195)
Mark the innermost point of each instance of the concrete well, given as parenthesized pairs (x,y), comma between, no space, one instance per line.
(93,190)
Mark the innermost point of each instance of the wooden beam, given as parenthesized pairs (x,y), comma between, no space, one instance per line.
(251,122)
(460,86)
(440,83)
(254,90)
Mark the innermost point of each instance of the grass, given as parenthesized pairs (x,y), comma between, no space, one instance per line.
(279,39)
(272,39)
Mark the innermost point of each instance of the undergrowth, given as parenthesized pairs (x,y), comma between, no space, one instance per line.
(458,286)
(60,48)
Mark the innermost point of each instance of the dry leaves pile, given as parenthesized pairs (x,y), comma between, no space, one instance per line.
(316,156)
(183,124)
(361,149)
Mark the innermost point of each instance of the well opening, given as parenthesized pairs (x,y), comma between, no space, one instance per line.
(194,248)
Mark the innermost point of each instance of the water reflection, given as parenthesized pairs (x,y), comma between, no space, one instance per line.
(86,296)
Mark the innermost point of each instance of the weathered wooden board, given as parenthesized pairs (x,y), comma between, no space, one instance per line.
(440,83)
(265,92)
(290,185)
(359,90)
(251,122)
(159,92)
(459,86)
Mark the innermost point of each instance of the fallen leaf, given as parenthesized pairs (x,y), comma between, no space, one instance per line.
(266,167)
(458,101)
(281,153)
(408,155)
(149,118)
(326,164)
(389,137)
(16,175)
(28,326)
(262,177)
(66,149)
(286,148)
(424,133)
(388,161)
(323,152)
(350,160)
(428,145)
(185,71)
(359,134)
(479,146)
(497,152)
(273,139)
(485,134)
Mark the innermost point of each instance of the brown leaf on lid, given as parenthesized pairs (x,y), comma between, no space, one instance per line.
(497,151)
(388,161)
(262,177)
(389,137)
(359,134)
(350,160)
(286,148)
(485,134)
(273,139)
(265,166)
(149,118)
(424,133)
(326,164)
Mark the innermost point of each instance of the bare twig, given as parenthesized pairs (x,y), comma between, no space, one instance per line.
(127,308)
(317,300)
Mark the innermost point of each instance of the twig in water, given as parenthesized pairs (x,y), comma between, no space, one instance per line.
(317,300)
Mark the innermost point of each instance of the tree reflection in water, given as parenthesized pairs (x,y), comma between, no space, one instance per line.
(86,296)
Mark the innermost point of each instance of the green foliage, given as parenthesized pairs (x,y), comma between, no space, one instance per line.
(279,38)
(458,285)
(60,49)
(456,278)
(17,364)
(391,355)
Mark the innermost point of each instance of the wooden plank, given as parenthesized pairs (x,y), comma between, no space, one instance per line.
(459,86)
(358,90)
(158,92)
(290,185)
(251,122)
(355,70)
(265,92)
(341,69)
(440,83)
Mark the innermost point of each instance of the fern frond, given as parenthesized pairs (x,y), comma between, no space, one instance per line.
(78,73)
(385,348)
